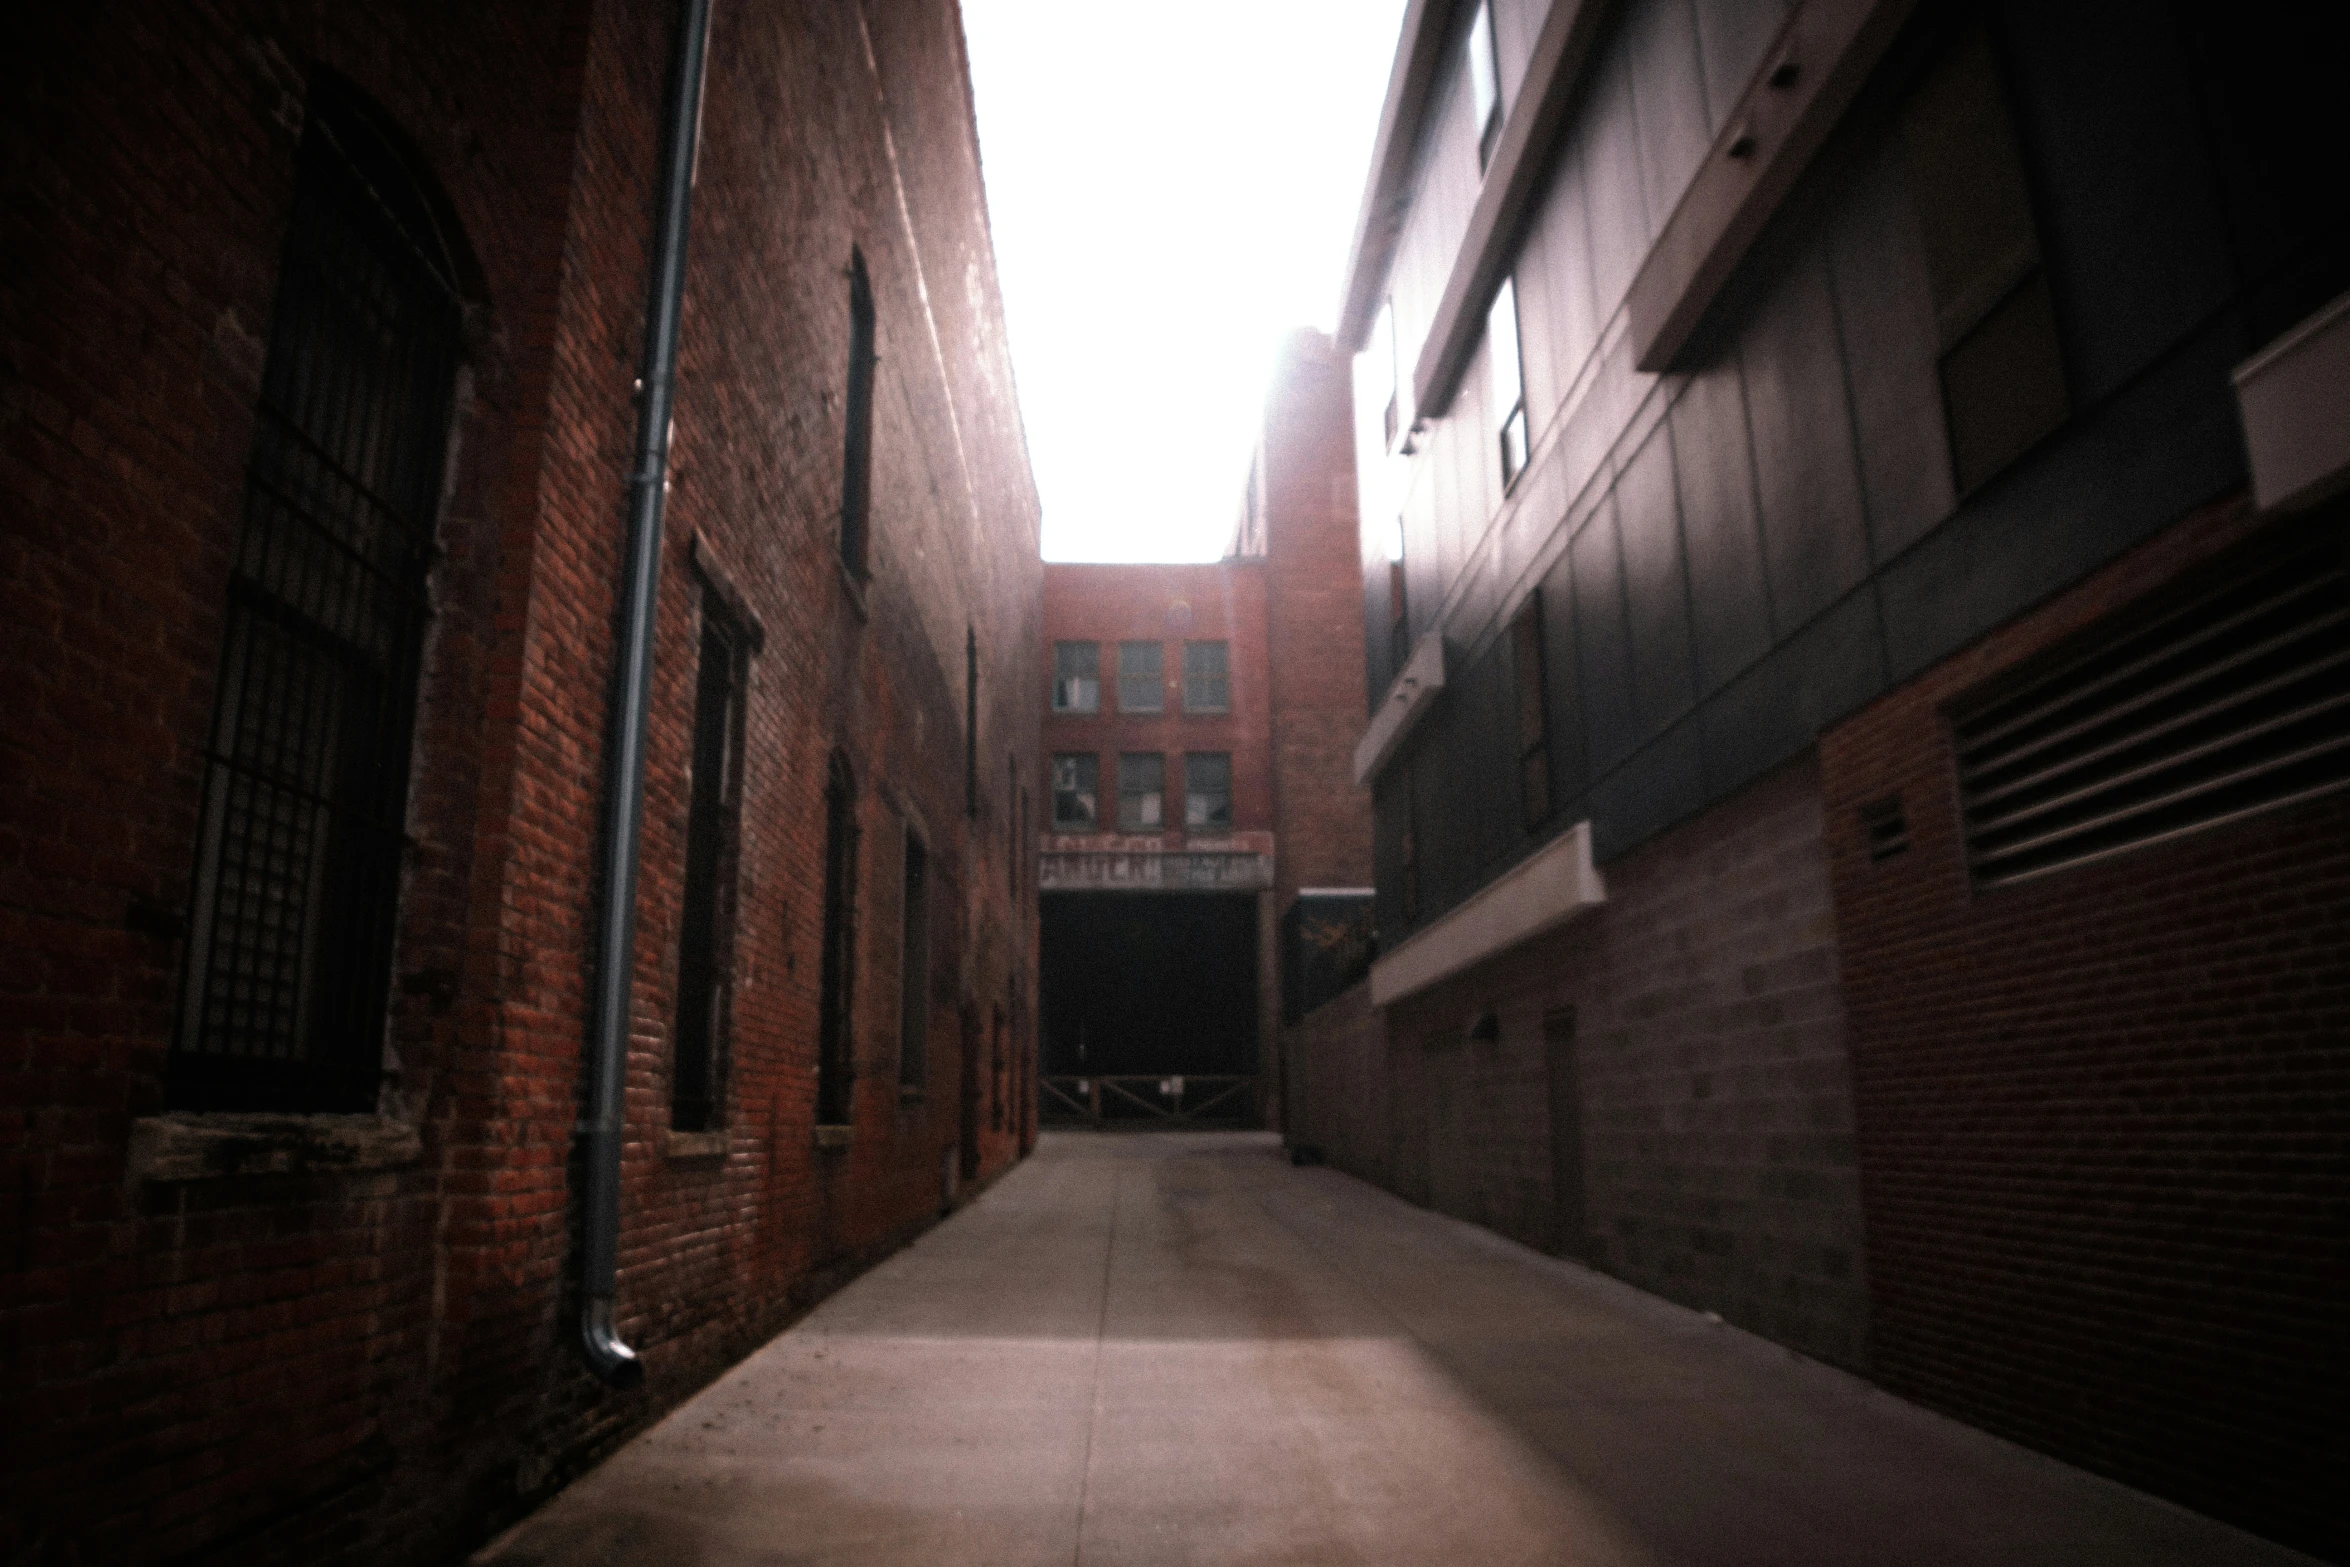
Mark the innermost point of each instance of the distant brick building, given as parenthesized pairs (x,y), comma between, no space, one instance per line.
(319,331)
(1196,733)
(1855,596)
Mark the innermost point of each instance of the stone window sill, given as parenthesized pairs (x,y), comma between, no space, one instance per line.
(680,1146)
(195,1147)
(834,1136)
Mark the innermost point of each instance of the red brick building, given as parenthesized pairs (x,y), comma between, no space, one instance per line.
(323,335)
(1197,732)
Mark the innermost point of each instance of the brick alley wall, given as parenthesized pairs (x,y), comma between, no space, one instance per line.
(2100,1111)
(375,1362)
(1688,1041)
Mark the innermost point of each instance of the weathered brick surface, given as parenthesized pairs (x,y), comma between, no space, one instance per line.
(2101,1112)
(376,1365)
(1710,1060)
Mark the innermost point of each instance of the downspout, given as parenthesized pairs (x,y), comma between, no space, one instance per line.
(624,784)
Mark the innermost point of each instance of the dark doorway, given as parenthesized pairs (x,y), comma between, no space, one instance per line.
(1151,985)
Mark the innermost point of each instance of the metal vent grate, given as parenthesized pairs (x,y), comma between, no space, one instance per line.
(2236,700)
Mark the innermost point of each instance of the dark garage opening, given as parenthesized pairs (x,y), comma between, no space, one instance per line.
(1150,985)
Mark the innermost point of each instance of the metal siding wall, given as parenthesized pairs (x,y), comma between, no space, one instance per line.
(1731,37)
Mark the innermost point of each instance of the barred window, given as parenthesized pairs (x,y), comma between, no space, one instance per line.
(1207,791)
(856,483)
(705,943)
(837,980)
(296,886)
(1140,673)
(1142,791)
(1207,679)
(1076,791)
(914,969)
(1077,677)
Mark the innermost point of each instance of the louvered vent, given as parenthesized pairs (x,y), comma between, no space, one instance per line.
(2234,701)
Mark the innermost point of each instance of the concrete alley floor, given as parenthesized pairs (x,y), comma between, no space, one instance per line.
(1177,1349)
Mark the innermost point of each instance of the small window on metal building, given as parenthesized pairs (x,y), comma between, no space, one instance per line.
(705,942)
(1076,792)
(2001,365)
(1140,676)
(299,836)
(1207,791)
(856,484)
(1142,791)
(1207,678)
(1077,677)
(1484,84)
(1509,381)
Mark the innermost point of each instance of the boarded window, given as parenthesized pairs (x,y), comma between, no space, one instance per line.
(1142,791)
(705,946)
(306,765)
(1076,793)
(1207,791)
(2001,366)
(856,484)
(837,982)
(914,969)
(1207,678)
(1140,673)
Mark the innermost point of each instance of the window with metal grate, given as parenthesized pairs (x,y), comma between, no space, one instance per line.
(2199,709)
(306,768)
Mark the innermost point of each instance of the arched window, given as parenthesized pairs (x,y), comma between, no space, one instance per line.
(305,790)
(838,982)
(856,484)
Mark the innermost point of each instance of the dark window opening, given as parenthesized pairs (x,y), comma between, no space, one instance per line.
(1142,792)
(1410,855)
(1886,828)
(970,724)
(296,884)
(999,1063)
(1207,678)
(914,969)
(1533,715)
(1399,617)
(2001,365)
(1077,677)
(705,945)
(1140,672)
(856,484)
(1076,793)
(837,982)
(1207,791)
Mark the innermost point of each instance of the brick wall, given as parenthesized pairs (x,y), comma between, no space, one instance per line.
(1709,1069)
(377,1364)
(2100,1112)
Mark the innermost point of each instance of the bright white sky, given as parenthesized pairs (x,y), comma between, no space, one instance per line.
(1172,187)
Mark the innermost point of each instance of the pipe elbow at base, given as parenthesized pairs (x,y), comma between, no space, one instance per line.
(612,1361)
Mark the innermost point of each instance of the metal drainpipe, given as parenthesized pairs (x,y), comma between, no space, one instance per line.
(624,789)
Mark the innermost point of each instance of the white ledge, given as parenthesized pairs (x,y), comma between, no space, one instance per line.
(2292,396)
(1414,692)
(1551,887)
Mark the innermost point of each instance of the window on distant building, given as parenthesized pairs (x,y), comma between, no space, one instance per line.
(705,939)
(1140,677)
(1533,715)
(2002,368)
(1509,380)
(1484,84)
(1399,617)
(1077,677)
(1207,791)
(1207,678)
(1076,793)
(1142,791)
(297,874)
(856,484)
(914,968)
(837,981)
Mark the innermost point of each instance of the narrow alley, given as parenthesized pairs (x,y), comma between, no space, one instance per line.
(1177,1348)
